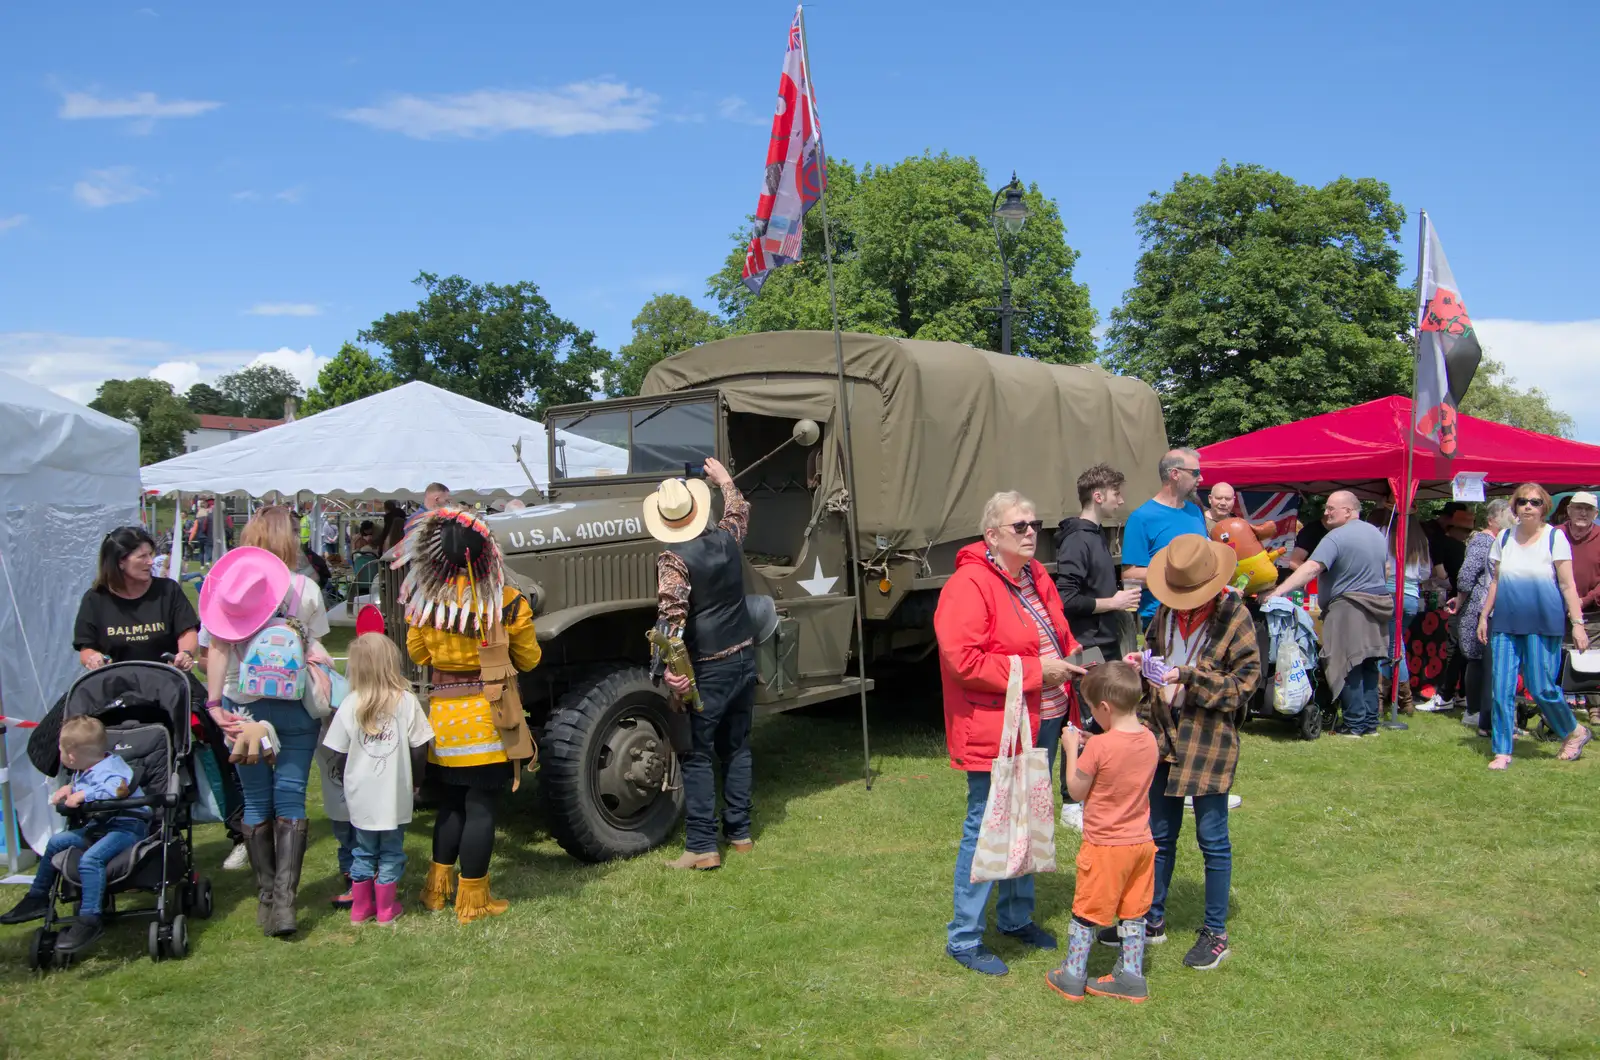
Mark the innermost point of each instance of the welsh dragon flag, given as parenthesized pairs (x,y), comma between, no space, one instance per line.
(1447,347)
(795,174)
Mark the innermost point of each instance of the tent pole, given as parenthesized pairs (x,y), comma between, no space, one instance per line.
(844,419)
(1407,485)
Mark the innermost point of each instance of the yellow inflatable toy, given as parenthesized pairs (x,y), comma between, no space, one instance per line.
(1255,571)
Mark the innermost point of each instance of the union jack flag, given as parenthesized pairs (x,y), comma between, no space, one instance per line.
(1262,507)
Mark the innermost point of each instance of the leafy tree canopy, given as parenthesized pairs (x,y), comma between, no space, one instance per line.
(151,406)
(667,324)
(1494,395)
(259,391)
(915,256)
(1259,300)
(499,344)
(351,375)
(206,400)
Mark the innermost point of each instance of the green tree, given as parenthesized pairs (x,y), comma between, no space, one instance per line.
(260,390)
(915,256)
(352,375)
(499,344)
(667,324)
(151,406)
(206,400)
(1494,395)
(1259,300)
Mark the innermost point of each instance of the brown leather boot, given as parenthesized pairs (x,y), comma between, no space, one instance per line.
(742,846)
(1406,704)
(473,901)
(264,862)
(689,860)
(289,840)
(438,887)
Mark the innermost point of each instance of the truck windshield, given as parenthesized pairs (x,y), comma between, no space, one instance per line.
(648,440)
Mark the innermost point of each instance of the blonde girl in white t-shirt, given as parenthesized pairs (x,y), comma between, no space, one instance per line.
(380,735)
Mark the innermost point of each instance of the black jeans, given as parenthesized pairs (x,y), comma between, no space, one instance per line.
(1480,691)
(727,690)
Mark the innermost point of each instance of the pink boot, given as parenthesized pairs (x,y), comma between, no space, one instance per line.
(388,902)
(361,903)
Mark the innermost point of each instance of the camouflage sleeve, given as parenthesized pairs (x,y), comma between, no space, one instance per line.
(672,593)
(735,515)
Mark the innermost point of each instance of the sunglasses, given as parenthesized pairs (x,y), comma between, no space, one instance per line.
(1021,528)
(1528,502)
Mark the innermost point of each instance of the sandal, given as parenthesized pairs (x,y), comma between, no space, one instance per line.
(1500,763)
(1572,750)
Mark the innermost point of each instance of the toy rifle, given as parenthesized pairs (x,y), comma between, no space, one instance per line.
(672,652)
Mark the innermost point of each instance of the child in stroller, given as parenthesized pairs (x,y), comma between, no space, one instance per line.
(125,736)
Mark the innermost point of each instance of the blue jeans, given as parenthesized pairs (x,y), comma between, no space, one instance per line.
(727,689)
(100,842)
(379,854)
(1411,608)
(278,790)
(1359,698)
(1014,908)
(1050,730)
(1211,829)
(345,833)
(1539,661)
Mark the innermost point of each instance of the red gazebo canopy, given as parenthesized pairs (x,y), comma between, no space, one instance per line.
(1362,449)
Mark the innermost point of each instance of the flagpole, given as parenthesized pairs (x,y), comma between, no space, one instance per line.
(844,414)
(1411,446)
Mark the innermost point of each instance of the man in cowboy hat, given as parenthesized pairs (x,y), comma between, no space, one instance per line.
(1206,641)
(700,597)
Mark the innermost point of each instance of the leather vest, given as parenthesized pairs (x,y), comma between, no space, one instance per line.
(718,617)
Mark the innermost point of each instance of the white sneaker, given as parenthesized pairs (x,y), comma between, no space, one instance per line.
(238,858)
(1469,720)
(1433,705)
(1072,815)
(1234,802)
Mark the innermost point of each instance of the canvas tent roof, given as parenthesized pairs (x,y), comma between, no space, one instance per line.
(938,427)
(388,445)
(69,476)
(1362,449)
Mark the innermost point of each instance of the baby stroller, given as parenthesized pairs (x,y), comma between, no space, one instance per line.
(145,708)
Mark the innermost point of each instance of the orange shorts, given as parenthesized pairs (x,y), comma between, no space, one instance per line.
(1114,883)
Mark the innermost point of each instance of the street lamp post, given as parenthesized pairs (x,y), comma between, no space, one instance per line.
(1012,215)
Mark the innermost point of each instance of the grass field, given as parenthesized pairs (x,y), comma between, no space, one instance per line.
(1391,898)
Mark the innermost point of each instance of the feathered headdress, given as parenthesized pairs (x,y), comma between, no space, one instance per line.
(455,574)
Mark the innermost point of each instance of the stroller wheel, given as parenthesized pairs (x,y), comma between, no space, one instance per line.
(178,942)
(1311,721)
(203,906)
(154,938)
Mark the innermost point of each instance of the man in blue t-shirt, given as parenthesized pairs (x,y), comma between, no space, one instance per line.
(1171,512)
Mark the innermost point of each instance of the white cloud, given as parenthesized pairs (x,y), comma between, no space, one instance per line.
(108,187)
(74,366)
(246,196)
(1562,359)
(14,221)
(142,107)
(284,309)
(734,108)
(292,196)
(571,110)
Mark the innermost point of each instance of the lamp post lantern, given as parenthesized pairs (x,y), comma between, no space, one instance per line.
(1011,215)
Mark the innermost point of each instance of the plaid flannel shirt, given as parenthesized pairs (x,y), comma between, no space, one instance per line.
(1202,741)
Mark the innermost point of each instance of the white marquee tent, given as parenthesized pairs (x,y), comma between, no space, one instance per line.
(69,475)
(389,445)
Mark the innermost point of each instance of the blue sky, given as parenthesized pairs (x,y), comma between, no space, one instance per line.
(190,187)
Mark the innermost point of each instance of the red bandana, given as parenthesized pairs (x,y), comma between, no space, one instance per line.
(1189,621)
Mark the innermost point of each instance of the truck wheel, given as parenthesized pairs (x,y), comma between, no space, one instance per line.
(605,756)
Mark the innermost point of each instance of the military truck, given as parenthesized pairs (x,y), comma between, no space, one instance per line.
(937,429)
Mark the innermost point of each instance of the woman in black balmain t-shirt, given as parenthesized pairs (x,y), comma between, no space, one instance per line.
(130,615)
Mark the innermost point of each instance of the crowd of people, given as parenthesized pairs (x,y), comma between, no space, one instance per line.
(1143,674)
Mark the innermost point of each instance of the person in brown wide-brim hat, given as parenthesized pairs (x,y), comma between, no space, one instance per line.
(1189,571)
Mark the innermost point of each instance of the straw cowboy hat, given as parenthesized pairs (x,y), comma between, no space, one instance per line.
(1190,570)
(243,590)
(678,510)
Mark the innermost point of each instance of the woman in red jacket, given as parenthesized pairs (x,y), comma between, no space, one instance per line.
(1000,602)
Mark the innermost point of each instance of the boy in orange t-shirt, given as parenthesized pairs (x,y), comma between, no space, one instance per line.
(1116,861)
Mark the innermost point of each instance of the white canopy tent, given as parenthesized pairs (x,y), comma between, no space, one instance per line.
(390,445)
(69,476)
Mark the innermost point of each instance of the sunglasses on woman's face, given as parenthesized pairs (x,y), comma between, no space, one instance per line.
(1021,528)
(1528,502)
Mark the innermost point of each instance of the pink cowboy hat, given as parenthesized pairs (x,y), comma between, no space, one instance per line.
(242,591)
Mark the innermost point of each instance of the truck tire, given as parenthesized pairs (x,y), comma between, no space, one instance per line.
(605,754)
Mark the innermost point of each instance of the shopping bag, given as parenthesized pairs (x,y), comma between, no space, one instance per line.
(1018,835)
(1291,684)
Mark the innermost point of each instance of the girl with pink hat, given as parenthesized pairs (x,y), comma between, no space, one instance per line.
(247,590)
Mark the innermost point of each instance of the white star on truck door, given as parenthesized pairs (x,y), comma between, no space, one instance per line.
(817,585)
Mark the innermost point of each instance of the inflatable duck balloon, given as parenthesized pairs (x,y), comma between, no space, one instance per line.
(1255,571)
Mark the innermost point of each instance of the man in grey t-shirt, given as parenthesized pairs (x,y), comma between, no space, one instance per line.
(1349,565)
